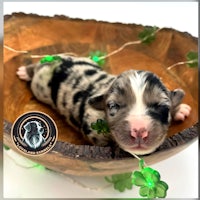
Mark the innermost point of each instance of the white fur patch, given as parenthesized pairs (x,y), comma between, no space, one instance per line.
(138,86)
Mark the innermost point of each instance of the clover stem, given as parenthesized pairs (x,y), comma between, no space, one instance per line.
(14,50)
(37,56)
(136,157)
(174,65)
(181,63)
(120,49)
(141,161)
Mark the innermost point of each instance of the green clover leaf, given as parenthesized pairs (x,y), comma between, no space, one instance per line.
(192,59)
(101,126)
(161,189)
(6,147)
(147,179)
(48,59)
(138,179)
(121,181)
(96,56)
(148,35)
(149,182)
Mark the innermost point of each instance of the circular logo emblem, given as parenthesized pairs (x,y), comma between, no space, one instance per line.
(34,133)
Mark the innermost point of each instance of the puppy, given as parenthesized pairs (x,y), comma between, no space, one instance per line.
(33,134)
(136,104)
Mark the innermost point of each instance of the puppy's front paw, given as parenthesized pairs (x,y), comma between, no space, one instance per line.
(22,73)
(183,111)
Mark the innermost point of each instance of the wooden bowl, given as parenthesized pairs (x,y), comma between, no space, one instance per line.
(49,35)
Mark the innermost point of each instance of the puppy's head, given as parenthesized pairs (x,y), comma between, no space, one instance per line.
(138,109)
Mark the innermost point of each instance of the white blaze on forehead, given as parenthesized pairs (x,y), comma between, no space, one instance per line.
(138,86)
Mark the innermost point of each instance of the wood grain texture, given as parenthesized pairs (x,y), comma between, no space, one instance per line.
(49,35)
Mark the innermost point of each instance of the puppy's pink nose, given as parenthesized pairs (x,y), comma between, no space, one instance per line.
(139,133)
(138,128)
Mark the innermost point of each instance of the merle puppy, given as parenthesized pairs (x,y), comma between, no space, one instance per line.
(136,104)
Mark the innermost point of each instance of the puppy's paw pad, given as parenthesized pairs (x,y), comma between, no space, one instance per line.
(22,74)
(182,112)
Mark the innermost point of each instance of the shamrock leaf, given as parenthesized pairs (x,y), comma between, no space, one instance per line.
(97,56)
(138,179)
(6,147)
(49,58)
(121,181)
(192,59)
(161,189)
(150,184)
(148,35)
(101,126)
(147,179)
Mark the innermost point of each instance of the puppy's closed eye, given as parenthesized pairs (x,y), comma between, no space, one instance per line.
(113,107)
(159,112)
(161,108)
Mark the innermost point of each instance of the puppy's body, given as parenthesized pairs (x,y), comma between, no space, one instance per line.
(67,86)
(136,104)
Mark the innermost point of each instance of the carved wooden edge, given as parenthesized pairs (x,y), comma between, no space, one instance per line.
(87,152)
(63,17)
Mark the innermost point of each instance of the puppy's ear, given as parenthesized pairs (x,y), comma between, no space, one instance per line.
(176,97)
(97,102)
